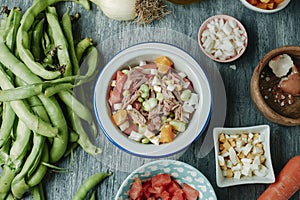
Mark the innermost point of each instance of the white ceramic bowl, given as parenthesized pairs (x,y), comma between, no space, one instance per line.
(182,62)
(225,18)
(179,171)
(264,130)
(254,8)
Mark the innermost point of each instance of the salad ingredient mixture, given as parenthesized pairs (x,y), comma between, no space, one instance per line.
(265,4)
(286,183)
(242,155)
(152,102)
(144,11)
(223,39)
(161,186)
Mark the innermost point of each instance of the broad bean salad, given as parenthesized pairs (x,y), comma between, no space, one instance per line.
(152,102)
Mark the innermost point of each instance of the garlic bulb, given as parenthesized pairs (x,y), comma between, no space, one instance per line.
(117,9)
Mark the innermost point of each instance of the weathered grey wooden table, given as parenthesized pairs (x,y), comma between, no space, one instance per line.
(265,31)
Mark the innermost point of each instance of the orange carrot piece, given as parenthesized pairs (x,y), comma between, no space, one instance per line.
(287,182)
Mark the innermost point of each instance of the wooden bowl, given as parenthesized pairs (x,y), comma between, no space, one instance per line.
(262,89)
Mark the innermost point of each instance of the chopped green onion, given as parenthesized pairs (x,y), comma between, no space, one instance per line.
(149,104)
(178,125)
(186,95)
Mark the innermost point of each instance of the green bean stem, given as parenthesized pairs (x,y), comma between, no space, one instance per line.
(88,184)
(67,29)
(61,43)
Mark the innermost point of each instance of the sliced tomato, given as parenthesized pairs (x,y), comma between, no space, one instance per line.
(136,190)
(120,80)
(115,95)
(146,185)
(190,192)
(156,191)
(161,180)
(178,195)
(165,195)
(172,187)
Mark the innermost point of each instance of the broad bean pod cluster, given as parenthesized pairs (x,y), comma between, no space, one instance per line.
(41,120)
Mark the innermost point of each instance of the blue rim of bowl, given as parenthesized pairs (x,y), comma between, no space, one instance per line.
(175,162)
(141,155)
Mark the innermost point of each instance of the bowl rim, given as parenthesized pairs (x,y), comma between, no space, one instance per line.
(265,129)
(226,17)
(256,95)
(163,161)
(254,8)
(127,148)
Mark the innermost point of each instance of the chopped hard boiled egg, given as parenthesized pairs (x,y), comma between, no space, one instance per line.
(223,39)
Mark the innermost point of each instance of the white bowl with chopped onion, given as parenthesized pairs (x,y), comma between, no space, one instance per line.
(135,114)
(265,6)
(243,155)
(222,38)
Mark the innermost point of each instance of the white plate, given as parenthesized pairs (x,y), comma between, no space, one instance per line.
(264,130)
(180,171)
(182,62)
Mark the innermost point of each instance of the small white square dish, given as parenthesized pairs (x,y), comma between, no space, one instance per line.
(242,155)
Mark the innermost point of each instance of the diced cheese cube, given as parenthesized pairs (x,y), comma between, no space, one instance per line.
(239,143)
(156,81)
(246,161)
(135,136)
(188,108)
(124,126)
(229,164)
(193,99)
(254,166)
(256,150)
(261,138)
(232,156)
(171,87)
(246,171)
(261,172)
(157,88)
(256,160)
(237,167)
(247,149)
(142,63)
(237,174)
(225,154)
(221,160)
(117,106)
